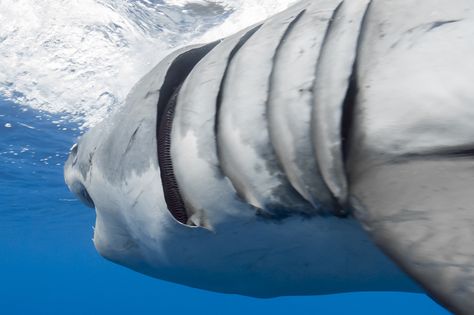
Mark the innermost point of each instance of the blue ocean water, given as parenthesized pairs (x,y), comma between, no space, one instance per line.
(48,264)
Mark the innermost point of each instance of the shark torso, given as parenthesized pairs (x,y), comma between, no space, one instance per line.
(247,165)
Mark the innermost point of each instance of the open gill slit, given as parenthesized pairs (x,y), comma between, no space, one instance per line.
(173,198)
(177,73)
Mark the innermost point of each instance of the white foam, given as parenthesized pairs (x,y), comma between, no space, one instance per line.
(81,58)
(247,13)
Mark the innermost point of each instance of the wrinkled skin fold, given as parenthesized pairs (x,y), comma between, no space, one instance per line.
(327,149)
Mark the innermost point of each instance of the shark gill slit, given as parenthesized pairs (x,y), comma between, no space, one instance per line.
(351,96)
(348,104)
(270,211)
(279,162)
(177,73)
(277,213)
(232,54)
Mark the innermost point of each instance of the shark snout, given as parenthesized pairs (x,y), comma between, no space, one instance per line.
(74,179)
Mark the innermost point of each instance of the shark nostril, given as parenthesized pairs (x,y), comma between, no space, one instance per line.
(73,153)
(73,150)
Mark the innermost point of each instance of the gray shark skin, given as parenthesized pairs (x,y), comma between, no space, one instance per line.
(327,149)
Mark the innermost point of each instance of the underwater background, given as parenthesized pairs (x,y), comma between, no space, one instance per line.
(64,66)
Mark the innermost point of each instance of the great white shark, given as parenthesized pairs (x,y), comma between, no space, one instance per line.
(327,149)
